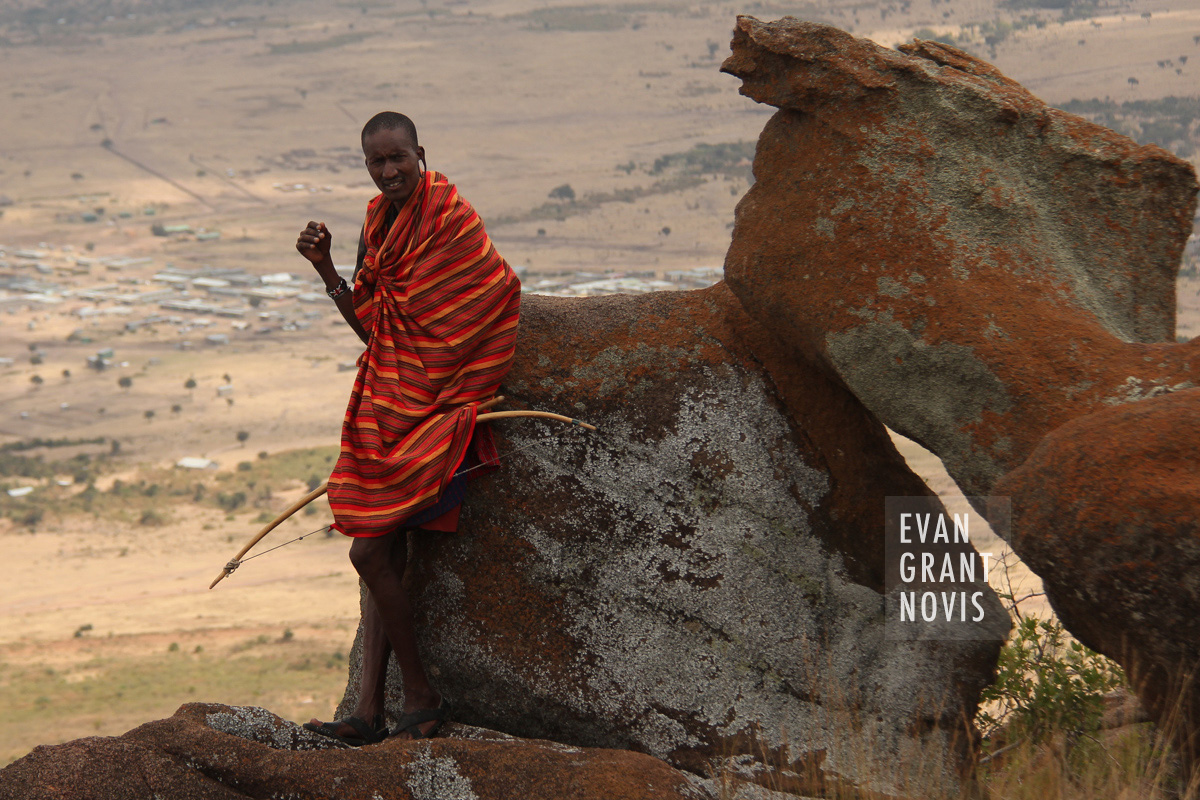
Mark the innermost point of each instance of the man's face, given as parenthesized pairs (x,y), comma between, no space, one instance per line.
(392,161)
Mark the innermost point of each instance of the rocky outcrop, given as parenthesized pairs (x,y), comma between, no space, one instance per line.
(977,268)
(703,579)
(1106,508)
(214,752)
(989,275)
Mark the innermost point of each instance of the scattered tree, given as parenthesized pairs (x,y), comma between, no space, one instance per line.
(149,415)
(564,192)
(36,380)
(66,373)
(124,381)
(227,378)
(175,409)
(189,384)
(242,436)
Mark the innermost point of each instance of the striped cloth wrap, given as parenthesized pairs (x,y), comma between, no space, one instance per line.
(441,307)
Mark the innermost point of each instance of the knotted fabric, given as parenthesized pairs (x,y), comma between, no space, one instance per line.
(441,308)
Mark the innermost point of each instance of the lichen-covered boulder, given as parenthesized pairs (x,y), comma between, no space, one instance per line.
(978,268)
(215,752)
(1107,510)
(703,578)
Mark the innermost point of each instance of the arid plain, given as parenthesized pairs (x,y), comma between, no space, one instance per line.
(243,118)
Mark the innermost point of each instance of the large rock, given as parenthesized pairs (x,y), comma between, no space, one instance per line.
(214,752)
(1107,509)
(703,579)
(978,268)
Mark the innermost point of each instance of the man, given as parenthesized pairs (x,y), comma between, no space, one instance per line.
(437,308)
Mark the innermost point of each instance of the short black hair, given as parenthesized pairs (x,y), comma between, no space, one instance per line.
(390,121)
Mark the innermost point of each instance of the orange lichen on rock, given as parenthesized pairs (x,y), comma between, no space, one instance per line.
(215,751)
(977,267)
(1106,508)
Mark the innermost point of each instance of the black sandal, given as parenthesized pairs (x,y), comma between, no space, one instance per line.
(367,734)
(411,723)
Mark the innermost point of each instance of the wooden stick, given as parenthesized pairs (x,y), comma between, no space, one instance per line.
(543,414)
(484,406)
(299,504)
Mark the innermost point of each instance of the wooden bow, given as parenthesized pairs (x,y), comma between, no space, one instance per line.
(236,561)
(275,523)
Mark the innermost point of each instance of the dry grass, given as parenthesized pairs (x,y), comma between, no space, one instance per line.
(1132,762)
(107,686)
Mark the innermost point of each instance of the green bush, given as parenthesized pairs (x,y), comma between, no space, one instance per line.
(1047,683)
(231,501)
(152,518)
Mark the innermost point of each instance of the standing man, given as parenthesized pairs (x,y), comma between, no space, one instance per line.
(437,308)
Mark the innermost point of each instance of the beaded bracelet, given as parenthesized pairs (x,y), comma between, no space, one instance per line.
(338,290)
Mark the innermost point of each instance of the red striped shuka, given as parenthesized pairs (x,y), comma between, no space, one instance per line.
(440,306)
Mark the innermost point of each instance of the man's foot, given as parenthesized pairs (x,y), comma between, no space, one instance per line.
(423,724)
(352,731)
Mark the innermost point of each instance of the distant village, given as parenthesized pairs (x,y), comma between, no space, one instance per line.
(220,302)
(87,300)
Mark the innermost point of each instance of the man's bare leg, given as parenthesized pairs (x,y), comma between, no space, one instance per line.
(381,563)
(373,680)
(376,647)
(375,652)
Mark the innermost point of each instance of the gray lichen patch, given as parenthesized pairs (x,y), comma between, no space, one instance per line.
(433,777)
(259,725)
(930,393)
(1134,389)
(609,370)
(891,287)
